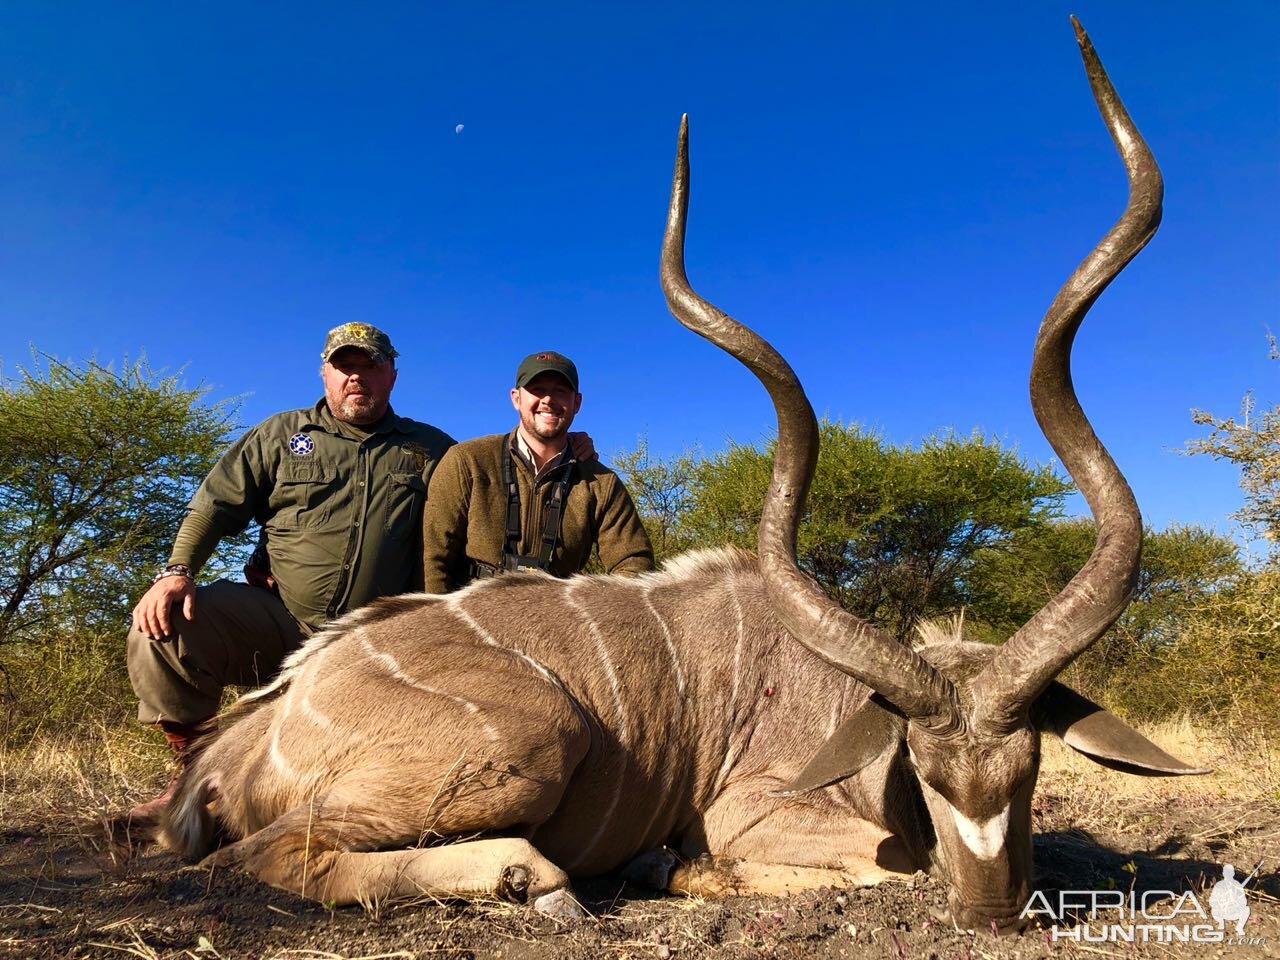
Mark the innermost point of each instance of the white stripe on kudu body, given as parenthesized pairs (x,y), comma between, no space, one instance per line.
(620,719)
(733,744)
(303,684)
(392,666)
(837,708)
(454,602)
(615,688)
(740,633)
(645,588)
(278,759)
(317,717)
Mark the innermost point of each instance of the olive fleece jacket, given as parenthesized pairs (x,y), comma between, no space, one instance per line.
(466,516)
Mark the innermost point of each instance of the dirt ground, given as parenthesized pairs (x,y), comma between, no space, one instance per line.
(61,897)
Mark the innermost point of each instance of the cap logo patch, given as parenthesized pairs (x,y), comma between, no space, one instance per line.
(300,445)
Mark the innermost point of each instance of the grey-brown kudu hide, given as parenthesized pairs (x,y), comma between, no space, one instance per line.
(723,706)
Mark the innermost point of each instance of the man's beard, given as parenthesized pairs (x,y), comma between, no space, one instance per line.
(533,426)
(358,408)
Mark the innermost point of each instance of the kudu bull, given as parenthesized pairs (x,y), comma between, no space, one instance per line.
(723,706)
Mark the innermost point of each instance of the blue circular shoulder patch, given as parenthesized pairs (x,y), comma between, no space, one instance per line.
(301,445)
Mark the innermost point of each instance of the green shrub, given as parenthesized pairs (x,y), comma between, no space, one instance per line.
(65,682)
(1225,665)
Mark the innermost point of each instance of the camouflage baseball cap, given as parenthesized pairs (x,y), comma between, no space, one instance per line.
(362,335)
(546,361)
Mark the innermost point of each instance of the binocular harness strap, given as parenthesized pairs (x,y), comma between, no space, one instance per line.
(551,524)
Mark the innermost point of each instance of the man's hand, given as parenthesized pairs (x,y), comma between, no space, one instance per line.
(581,447)
(151,615)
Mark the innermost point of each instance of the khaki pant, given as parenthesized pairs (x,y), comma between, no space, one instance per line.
(240,635)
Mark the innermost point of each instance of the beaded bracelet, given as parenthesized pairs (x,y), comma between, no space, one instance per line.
(174,570)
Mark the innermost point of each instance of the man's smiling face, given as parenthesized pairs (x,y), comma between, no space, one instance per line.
(547,405)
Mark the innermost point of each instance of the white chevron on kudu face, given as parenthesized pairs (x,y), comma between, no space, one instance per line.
(985,839)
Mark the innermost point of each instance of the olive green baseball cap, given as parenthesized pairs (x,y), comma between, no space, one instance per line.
(546,361)
(364,336)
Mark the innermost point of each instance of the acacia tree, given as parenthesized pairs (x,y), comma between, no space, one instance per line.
(1183,568)
(1226,664)
(662,491)
(1253,444)
(888,531)
(1227,660)
(96,468)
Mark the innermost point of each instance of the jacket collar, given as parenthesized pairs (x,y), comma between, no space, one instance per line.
(520,449)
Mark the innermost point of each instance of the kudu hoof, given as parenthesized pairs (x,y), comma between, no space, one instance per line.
(514,883)
(560,905)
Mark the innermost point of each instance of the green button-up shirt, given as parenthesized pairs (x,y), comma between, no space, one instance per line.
(340,508)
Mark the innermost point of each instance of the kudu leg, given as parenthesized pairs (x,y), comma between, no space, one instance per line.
(752,843)
(362,840)
(714,877)
(297,854)
(378,784)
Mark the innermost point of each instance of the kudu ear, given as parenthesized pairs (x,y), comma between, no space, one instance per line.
(870,730)
(1102,736)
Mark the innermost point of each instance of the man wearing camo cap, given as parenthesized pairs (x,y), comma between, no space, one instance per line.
(337,489)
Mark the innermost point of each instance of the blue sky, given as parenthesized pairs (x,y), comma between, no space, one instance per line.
(890,193)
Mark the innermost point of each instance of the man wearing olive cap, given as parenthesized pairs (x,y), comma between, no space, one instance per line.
(520,500)
(337,489)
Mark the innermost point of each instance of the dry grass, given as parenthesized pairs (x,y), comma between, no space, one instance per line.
(58,780)
(1245,778)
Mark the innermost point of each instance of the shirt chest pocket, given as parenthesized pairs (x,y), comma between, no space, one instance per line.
(304,494)
(405,495)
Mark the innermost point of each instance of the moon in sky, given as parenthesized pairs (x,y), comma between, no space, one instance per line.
(458,128)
